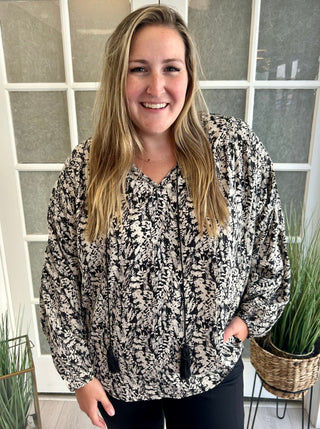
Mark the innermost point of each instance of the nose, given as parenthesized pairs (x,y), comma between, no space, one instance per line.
(156,84)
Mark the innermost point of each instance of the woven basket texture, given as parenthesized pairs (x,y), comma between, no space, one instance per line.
(284,377)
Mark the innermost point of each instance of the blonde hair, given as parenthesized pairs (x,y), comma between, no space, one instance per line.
(115,138)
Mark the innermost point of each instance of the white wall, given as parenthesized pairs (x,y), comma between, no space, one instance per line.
(5,297)
(3,288)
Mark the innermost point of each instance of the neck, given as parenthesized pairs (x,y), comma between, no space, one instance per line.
(157,149)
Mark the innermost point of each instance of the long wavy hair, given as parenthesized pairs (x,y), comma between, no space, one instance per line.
(115,139)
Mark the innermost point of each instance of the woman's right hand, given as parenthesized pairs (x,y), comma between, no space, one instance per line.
(88,397)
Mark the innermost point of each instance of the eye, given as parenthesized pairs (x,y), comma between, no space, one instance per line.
(138,69)
(172,69)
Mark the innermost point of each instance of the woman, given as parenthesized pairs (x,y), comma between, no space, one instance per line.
(166,244)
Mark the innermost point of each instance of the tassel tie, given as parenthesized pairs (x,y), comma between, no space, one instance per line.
(185,362)
(113,362)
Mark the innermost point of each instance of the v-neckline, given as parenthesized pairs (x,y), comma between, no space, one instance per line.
(147,178)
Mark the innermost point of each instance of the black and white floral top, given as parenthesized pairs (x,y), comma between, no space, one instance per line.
(138,291)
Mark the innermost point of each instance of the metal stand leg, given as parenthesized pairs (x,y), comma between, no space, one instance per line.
(251,403)
(302,411)
(251,400)
(285,409)
(310,407)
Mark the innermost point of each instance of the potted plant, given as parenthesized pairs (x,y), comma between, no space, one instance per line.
(288,359)
(19,406)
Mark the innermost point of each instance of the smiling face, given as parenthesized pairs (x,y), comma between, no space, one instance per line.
(157,80)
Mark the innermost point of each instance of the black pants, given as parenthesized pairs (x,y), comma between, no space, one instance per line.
(219,408)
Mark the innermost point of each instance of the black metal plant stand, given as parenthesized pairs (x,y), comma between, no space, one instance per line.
(277,404)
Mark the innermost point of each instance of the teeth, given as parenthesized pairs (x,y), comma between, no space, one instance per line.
(155,106)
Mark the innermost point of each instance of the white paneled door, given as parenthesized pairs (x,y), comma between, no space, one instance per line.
(256,65)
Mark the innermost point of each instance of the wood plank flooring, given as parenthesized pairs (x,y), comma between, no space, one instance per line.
(64,413)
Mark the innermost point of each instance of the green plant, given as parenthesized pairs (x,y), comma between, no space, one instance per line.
(16,388)
(298,328)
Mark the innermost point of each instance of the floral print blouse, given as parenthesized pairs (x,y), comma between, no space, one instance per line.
(155,280)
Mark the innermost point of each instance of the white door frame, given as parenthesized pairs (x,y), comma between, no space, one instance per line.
(14,240)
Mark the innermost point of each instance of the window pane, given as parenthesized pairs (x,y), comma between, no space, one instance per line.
(221,29)
(36,256)
(289,40)
(36,188)
(291,185)
(226,101)
(283,120)
(84,106)
(32,42)
(91,23)
(41,126)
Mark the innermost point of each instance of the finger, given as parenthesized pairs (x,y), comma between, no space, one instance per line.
(98,421)
(239,337)
(227,334)
(108,406)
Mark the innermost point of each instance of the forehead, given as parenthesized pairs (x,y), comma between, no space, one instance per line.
(157,38)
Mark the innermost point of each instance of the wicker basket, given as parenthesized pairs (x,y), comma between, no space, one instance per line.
(284,377)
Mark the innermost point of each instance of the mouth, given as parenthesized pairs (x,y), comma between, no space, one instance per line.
(155,106)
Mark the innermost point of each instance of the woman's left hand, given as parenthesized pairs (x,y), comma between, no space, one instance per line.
(238,328)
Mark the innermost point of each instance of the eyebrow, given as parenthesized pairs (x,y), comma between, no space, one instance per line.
(169,60)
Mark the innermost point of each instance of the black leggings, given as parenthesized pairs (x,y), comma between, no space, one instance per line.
(219,408)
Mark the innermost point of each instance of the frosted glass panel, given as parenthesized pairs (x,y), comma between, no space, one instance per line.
(32,42)
(283,119)
(231,102)
(221,29)
(84,106)
(289,40)
(36,256)
(291,186)
(91,23)
(41,126)
(36,187)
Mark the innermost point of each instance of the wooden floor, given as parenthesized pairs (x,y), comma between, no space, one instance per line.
(64,413)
